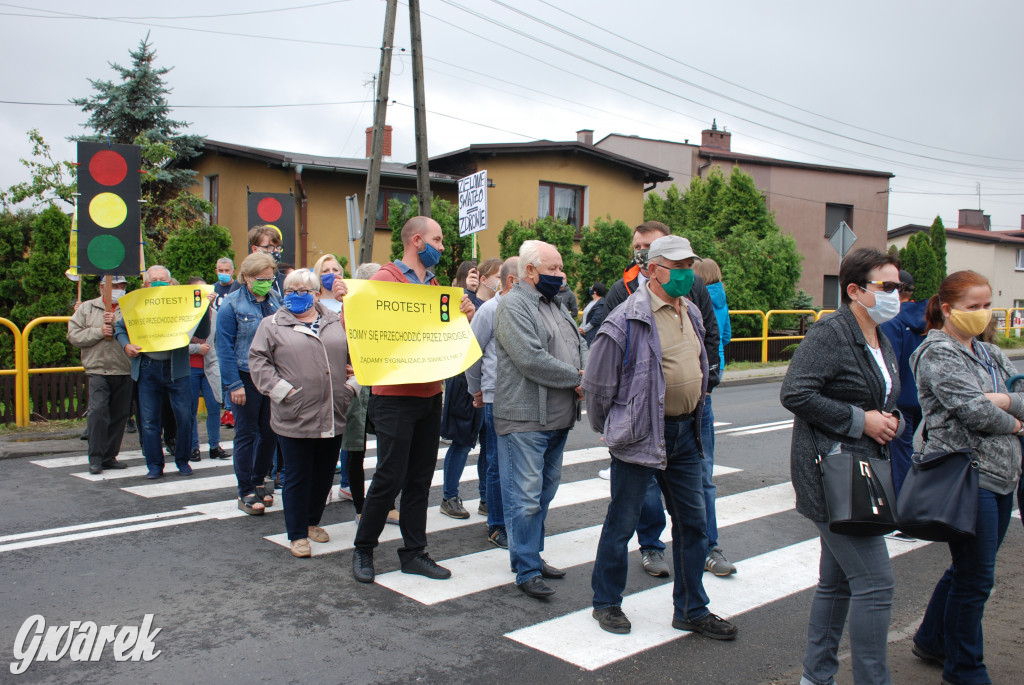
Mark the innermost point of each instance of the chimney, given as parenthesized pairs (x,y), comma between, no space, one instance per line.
(975,219)
(585,136)
(715,139)
(387,142)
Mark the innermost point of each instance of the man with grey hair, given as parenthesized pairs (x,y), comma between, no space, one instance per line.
(226,283)
(645,386)
(159,375)
(481,379)
(540,358)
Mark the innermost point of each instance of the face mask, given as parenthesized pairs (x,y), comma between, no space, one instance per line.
(679,282)
(971,322)
(278,255)
(429,255)
(224,278)
(549,285)
(261,288)
(887,305)
(297,304)
(640,257)
(327,280)
(157,284)
(115,295)
(495,288)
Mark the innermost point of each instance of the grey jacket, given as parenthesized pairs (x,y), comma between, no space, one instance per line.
(481,376)
(99,355)
(828,392)
(525,366)
(286,356)
(211,365)
(951,382)
(624,383)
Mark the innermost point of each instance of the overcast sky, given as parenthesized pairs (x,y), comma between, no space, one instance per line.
(929,90)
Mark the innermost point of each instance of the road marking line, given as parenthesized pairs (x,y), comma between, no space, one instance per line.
(578,639)
(83,460)
(43,542)
(95,524)
(787,422)
(139,471)
(482,571)
(763,430)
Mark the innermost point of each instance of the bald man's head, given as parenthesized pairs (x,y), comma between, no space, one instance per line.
(417,225)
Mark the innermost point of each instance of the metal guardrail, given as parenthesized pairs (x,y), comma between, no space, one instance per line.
(23,403)
(766,317)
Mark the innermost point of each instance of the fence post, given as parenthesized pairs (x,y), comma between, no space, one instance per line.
(764,338)
(19,410)
(27,412)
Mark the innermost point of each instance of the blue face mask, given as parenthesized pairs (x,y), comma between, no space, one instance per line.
(297,304)
(224,278)
(549,285)
(327,280)
(429,255)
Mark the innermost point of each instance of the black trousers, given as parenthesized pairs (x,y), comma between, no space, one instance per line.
(110,400)
(309,463)
(408,430)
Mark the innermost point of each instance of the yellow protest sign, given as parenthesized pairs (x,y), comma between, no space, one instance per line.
(163,318)
(404,333)
(73,246)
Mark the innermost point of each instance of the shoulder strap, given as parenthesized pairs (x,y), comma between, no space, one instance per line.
(857,357)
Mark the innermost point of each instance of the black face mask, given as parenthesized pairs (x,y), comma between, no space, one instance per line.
(549,285)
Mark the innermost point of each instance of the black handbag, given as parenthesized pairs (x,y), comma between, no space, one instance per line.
(858,486)
(939,498)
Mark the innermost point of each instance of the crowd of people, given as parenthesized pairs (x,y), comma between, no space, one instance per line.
(645,356)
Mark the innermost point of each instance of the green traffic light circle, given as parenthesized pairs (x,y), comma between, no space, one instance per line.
(105,252)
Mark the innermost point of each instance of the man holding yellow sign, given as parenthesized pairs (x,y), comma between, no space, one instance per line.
(158,322)
(405,405)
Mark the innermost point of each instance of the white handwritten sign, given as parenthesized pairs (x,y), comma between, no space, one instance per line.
(473,203)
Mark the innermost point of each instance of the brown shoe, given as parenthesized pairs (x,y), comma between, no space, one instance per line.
(300,548)
(318,534)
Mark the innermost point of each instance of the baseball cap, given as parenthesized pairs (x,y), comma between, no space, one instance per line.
(673,248)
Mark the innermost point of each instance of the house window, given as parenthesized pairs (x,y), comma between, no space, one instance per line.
(834,215)
(830,293)
(561,201)
(384,198)
(1020,259)
(211,193)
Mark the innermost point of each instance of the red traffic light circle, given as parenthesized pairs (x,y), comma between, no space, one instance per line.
(269,209)
(108,167)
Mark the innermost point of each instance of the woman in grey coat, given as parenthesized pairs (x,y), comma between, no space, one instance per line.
(842,386)
(961,383)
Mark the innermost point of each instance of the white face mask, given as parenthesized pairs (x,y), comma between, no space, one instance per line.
(887,305)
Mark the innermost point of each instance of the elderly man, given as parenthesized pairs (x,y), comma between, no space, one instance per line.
(482,379)
(540,356)
(226,283)
(645,386)
(407,419)
(108,370)
(159,375)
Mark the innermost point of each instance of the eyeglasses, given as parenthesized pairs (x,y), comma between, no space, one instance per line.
(887,286)
(301,291)
(264,280)
(268,249)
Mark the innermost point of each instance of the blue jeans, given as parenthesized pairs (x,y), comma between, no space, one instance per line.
(952,621)
(494,499)
(255,441)
(855,578)
(454,465)
(154,384)
(680,482)
(707,439)
(201,386)
(531,469)
(652,518)
(343,463)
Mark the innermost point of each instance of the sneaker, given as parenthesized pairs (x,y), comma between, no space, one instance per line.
(482,509)
(219,453)
(499,538)
(195,456)
(362,565)
(344,494)
(130,427)
(605,473)
(423,565)
(718,564)
(185,470)
(926,656)
(613,620)
(453,508)
(227,419)
(654,563)
(715,627)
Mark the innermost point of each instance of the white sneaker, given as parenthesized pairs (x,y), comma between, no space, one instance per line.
(344,494)
(605,473)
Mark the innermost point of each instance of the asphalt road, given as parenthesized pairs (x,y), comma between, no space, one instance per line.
(232,605)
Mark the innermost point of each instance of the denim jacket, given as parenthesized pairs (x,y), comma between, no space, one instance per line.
(624,384)
(237,320)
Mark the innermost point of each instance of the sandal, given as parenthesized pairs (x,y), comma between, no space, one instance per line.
(300,548)
(265,494)
(251,505)
(318,534)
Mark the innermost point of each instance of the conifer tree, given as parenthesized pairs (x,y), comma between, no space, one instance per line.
(937,236)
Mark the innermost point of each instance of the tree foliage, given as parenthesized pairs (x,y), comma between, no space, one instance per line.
(605,250)
(549,229)
(133,109)
(48,179)
(937,238)
(193,250)
(456,249)
(919,259)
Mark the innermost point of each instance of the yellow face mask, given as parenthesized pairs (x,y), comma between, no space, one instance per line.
(970,322)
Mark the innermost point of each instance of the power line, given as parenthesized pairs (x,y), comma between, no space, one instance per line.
(274,106)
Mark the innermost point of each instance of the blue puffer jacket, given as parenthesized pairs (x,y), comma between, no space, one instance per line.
(906,333)
(716,291)
(237,320)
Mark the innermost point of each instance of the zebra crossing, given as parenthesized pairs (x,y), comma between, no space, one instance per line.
(573,637)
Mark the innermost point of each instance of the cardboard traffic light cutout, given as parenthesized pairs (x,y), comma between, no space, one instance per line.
(109,217)
(277,210)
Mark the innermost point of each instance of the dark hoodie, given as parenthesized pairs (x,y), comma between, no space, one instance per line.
(906,331)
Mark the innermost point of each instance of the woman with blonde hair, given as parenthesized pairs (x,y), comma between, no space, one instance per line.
(329,274)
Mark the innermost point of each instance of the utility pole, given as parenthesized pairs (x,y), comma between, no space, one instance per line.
(420,109)
(379,117)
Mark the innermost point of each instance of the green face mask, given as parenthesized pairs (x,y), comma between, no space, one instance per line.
(679,282)
(261,288)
